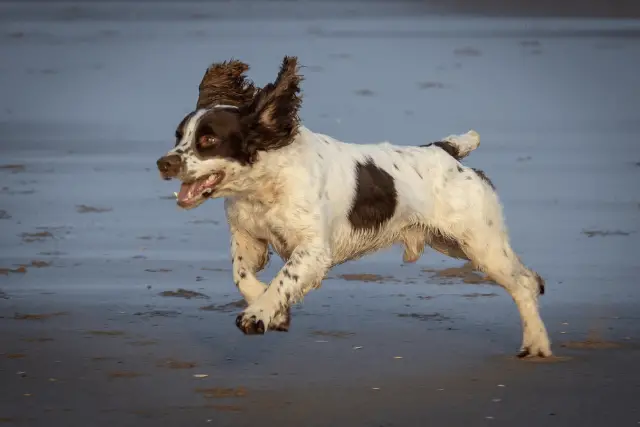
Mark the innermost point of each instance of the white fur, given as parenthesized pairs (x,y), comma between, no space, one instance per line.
(298,199)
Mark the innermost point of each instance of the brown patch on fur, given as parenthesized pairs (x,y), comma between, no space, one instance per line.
(225,83)
(271,120)
(375,199)
(447,146)
(484,177)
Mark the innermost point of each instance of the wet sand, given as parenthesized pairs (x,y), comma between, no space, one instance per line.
(117,308)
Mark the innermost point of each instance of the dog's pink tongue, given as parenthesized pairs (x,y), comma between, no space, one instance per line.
(185,189)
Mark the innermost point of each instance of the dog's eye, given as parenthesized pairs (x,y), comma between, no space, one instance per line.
(207,141)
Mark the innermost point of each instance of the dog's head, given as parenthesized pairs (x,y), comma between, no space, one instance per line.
(218,144)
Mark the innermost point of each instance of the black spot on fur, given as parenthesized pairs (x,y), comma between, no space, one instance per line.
(484,177)
(451,149)
(541,284)
(375,198)
(281,283)
(396,167)
(240,258)
(490,223)
(295,277)
(460,169)
(242,274)
(320,155)
(286,273)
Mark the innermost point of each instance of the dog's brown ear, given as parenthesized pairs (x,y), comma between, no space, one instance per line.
(225,83)
(271,121)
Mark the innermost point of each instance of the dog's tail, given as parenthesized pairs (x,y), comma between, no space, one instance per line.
(458,146)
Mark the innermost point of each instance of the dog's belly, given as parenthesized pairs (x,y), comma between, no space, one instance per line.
(348,245)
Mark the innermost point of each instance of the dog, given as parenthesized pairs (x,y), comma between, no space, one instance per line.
(320,202)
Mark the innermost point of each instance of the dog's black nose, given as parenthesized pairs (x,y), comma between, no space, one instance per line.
(169,166)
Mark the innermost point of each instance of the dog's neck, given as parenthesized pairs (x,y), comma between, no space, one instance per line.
(266,184)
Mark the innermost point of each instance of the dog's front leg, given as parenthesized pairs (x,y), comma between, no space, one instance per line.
(304,269)
(249,256)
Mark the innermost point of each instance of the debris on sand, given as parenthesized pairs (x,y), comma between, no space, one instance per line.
(479,295)
(591,344)
(332,334)
(183,293)
(39,236)
(159,270)
(124,374)
(425,317)
(592,233)
(3,295)
(39,339)
(226,308)
(42,316)
(364,92)
(15,168)
(175,364)
(467,273)
(16,356)
(221,393)
(225,408)
(467,51)
(91,209)
(430,85)
(107,333)
(158,313)
(366,277)
(4,214)
(40,264)
(5,271)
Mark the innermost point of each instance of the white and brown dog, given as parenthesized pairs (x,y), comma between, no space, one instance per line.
(320,202)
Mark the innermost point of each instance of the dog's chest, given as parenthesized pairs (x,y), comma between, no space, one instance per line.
(266,224)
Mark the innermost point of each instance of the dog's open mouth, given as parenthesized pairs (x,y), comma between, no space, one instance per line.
(193,193)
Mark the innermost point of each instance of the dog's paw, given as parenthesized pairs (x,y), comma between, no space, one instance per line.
(249,324)
(534,351)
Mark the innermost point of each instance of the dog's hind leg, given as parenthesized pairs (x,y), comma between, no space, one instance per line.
(482,235)
(487,246)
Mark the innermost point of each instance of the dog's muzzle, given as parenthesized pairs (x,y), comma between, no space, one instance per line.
(169,166)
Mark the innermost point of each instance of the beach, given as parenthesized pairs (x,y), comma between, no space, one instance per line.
(112,314)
